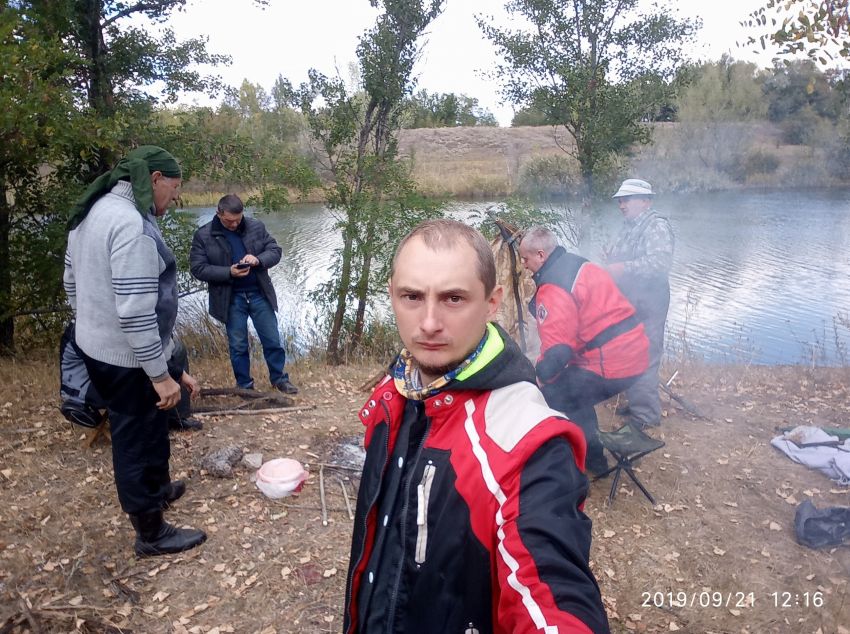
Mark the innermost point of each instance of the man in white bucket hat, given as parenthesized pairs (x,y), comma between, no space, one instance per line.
(640,261)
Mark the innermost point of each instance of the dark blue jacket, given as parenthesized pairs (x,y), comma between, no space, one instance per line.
(210,260)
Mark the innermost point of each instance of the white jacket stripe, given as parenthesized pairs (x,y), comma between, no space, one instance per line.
(528,601)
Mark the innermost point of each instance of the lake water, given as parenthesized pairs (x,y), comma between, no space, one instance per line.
(759,276)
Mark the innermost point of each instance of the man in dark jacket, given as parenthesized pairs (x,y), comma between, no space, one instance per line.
(469,513)
(592,344)
(233,254)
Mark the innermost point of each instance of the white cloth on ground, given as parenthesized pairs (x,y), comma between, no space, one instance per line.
(832,460)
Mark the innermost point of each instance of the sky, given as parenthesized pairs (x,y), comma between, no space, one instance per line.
(290,37)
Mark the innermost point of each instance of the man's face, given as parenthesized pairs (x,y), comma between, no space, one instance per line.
(166,190)
(229,220)
(633,206)
(532,259)
(439,304)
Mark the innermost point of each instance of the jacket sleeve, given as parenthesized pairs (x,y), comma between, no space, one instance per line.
(69,281)
(543,563)
(557,325)
(200,265)
(269,251)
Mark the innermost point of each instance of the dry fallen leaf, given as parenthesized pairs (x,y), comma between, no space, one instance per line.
(330,572)
(775,527)
(719,551)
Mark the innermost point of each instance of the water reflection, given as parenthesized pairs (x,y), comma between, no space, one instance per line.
(758,276)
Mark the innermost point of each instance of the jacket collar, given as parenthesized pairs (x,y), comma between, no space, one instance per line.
(549,264)
(218,228)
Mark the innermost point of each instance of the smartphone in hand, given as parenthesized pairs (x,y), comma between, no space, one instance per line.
(243,265)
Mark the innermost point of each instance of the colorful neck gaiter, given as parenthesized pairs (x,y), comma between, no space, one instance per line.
(408,381)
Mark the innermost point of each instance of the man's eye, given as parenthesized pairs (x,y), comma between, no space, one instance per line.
(411,297)
(455,299)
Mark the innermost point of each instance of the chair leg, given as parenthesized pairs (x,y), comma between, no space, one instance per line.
(637,482)
(612,494)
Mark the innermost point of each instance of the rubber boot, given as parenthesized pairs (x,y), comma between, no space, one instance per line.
(173,492)
(154,536)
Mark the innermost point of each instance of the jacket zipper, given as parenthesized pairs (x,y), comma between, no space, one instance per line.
(404,510)
(423,495)
(350,598)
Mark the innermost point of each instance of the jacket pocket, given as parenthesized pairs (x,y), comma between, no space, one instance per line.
(423,494)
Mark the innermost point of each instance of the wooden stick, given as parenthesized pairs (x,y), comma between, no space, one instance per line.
(236,391)
(247,412)
(347,501)
(332,465)
(689,407)
(28,614)
(322,496)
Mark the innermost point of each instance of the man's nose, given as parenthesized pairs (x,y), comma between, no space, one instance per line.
(431,319)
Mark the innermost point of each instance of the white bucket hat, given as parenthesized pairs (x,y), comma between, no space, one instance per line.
(634,187)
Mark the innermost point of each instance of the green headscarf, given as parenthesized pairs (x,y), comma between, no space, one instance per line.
(136,167)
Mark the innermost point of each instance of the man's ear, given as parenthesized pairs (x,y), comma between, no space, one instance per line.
(495,300)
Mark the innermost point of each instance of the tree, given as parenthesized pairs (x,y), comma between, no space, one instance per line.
(77,76)
(726,90)
(445,110)
(370,190)
(37,121)
(818,28)
(597,67)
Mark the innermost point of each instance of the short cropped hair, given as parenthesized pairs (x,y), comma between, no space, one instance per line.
(444,233)
(231,204)
(540,239)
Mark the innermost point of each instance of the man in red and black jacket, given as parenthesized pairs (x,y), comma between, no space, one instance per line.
(592,345)
(469,513)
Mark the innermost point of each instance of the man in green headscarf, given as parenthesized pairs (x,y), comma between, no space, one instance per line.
(121,281)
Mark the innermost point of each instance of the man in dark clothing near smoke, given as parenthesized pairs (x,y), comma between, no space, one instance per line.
(640,262)
(592,345)
(469,513)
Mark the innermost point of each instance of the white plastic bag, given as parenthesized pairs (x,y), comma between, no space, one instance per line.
(280,477)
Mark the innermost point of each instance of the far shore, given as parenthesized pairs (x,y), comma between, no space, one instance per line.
(478,163)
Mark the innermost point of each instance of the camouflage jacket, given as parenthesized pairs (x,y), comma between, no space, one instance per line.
(645,246)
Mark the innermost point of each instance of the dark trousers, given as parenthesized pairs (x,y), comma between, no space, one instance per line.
(575,392)
(140,446)
(177,365)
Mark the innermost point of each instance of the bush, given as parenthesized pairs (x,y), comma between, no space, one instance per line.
(742,167)
(551,175)
(801,128)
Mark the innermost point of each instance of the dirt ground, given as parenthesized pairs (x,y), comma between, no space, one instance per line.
(721,538)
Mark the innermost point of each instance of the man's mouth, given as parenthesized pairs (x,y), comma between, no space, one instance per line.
(427,345)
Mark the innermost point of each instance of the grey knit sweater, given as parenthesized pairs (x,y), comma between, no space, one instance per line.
(121,281)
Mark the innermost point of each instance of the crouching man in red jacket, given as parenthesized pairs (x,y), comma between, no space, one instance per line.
(592,345)
(469,514)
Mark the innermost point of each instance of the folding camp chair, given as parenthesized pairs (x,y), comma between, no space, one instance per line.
(628,445)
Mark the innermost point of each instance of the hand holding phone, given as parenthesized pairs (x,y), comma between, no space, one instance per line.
(243,265)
